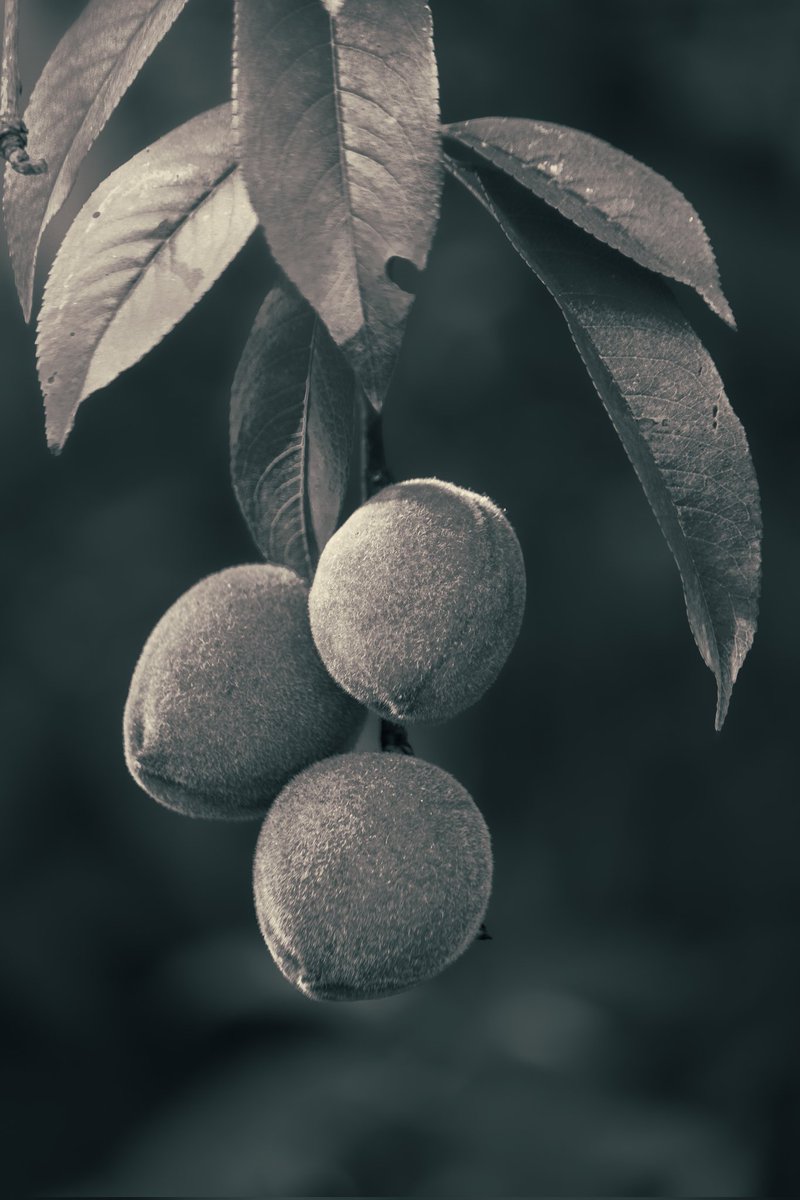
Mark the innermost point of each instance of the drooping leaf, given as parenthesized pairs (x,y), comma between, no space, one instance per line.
(603,190)
(84,80)
(146,246)
(336,112)
(666,401)
(292,421)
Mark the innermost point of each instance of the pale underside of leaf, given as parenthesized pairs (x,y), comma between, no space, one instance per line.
(292,420)
(666,401)
(606,192)
(146,246)
(337,123)
(82,83)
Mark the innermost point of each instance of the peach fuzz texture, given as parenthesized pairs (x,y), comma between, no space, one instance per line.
(229,697)
(372,872)
(418,600)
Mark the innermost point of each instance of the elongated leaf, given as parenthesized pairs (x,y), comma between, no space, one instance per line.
(603,190)
(666,400)
(336,111)
(90,70)
(292,420)
(143,250)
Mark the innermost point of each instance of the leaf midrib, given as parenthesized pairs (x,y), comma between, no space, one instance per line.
(129,290)
(342,159)
(721,670)
(51,209)
(662,266)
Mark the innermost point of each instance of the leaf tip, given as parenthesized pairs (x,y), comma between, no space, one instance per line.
(55,443)
(56,432)
(24,285)
(724,690)
(375,397)
(23,258)
(722,308)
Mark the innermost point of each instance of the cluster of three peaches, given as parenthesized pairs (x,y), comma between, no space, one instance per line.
(372,870)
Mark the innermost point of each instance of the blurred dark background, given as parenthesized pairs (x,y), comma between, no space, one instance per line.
(632,1028)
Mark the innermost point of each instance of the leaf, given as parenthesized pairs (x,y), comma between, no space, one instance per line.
(666,401)
(337,119)
(614,197)
(146,246)
(292,420)
(84,80)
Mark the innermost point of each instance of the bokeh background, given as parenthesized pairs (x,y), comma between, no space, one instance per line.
(633,1027)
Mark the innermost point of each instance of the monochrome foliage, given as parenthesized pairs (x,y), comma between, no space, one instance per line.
(87,75)
(333,146)
(337,120)
(666,401)
(146,246)
(292,423)
(609,194)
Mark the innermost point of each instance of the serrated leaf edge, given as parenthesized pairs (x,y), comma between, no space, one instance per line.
(725,673)
(57,434)
(714,297)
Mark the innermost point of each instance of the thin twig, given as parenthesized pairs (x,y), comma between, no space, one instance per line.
(13,130)
(375,475)
(375,471)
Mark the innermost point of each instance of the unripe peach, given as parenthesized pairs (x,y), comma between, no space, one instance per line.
(418,599)
(229,697)
(372,872)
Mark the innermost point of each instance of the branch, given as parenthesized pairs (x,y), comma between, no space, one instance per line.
(375,476)
(376,472)
(13,130)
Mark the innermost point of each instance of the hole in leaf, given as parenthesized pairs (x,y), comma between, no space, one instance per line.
(403,274)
